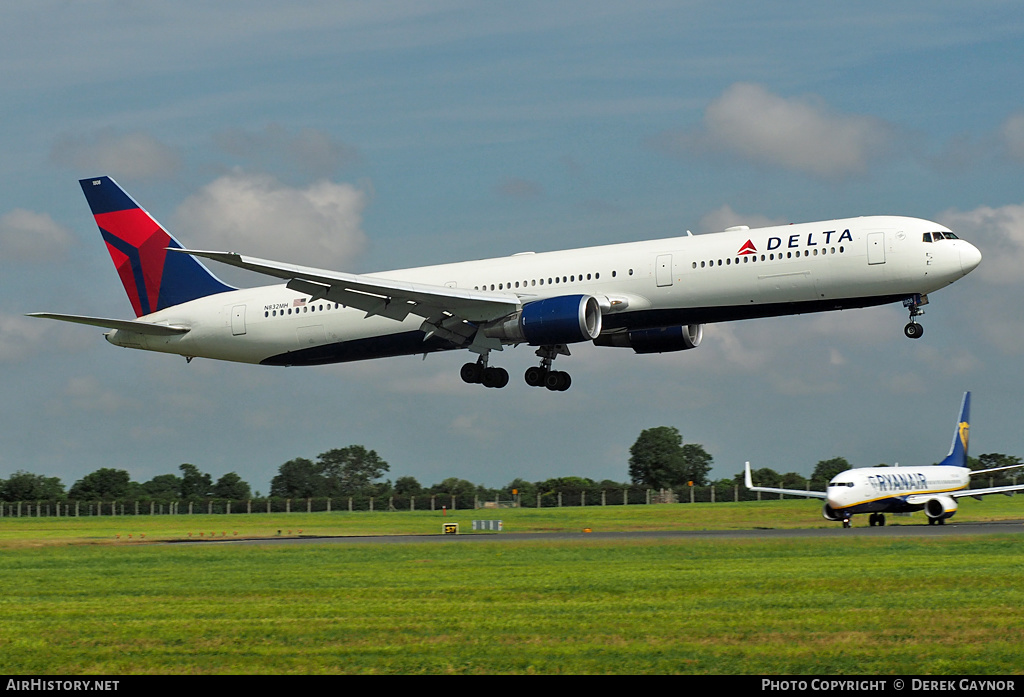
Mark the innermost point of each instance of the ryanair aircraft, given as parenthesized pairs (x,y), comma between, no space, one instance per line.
(880,490)
(651,297)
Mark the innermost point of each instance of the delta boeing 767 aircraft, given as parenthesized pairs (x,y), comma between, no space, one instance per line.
(880,490)
(651,297)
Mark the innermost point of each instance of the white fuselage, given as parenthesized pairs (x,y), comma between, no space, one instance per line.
(737,274)
(884,489)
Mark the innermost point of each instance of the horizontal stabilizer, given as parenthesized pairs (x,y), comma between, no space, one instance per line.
(119,324)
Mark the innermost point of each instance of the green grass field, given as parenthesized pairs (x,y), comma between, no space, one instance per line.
(75,599)
(790,513)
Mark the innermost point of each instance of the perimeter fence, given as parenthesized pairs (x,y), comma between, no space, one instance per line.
(566,497)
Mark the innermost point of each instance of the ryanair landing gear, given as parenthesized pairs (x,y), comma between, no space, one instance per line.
(913,330)
(479,373)
(876,519)
(543,376)
(846,522)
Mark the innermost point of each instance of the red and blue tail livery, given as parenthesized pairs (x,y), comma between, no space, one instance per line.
(138,244)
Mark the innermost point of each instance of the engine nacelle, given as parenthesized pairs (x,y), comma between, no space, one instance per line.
(940,507)
(829,513)
(566,319)
(658,340)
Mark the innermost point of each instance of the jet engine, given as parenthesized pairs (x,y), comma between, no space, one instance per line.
(566,319)
(657,340)
(940,508)
(829,513)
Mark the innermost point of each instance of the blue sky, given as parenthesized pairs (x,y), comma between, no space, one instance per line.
(368,136)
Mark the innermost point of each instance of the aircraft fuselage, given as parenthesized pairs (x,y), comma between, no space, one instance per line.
(687,280)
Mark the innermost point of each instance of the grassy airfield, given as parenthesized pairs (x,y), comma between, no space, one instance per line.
(75,598)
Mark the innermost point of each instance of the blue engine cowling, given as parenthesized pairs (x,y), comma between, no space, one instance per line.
(566,319)
(657,340)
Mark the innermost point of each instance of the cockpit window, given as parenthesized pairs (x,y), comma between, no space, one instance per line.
(840,483)
(937,236)
(950,236)
(927,237)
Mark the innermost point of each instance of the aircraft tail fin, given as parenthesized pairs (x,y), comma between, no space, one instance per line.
(138,245)
(957,456)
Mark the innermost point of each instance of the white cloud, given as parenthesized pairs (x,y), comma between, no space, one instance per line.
(87,394)
(725,217)
(29,236)
(21,337)
(999,233)
(131,155)
(319,225)
(798,134)
(1012,133)
(311,151)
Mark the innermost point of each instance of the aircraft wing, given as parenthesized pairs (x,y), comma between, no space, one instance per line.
(974,473)
(978,493)
(123,324)
(773,490)
(378,296)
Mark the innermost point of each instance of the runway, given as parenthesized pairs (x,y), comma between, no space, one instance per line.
(888,531)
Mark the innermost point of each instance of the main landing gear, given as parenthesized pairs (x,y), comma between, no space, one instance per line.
(913,330)
(876,519)
(480,373)
(543,376)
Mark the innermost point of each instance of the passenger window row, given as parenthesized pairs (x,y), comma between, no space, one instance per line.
(319,307)
(753,258)
(551,280)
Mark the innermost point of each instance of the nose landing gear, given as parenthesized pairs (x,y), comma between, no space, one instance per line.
(913,330)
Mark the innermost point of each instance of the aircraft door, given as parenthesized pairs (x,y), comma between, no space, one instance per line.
(238,320)
(876,248)
(663,270)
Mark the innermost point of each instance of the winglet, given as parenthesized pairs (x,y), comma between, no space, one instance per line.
(746,477)
(957,456)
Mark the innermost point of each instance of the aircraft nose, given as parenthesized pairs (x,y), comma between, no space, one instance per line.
(970,257)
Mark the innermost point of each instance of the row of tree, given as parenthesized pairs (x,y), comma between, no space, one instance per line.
(108,483)
(658,460)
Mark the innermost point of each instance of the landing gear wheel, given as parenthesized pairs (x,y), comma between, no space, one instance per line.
(535,376)
(913,330)
(846,522)
(881,519)
(872,520)
(494,377)
(557,381)
(472,373)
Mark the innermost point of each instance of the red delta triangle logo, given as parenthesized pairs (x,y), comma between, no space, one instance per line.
(747,248)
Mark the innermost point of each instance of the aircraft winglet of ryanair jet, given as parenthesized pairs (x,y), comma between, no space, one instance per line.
(880,490)
(652,297)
